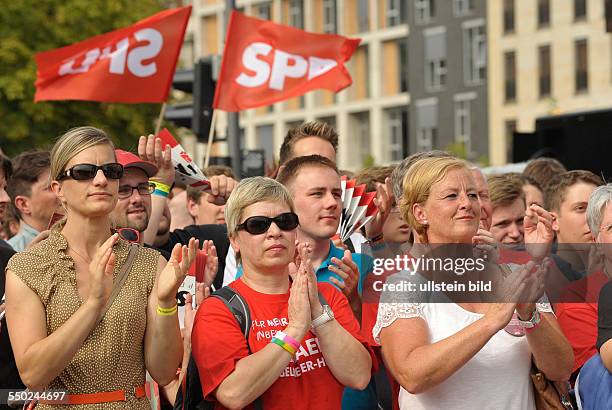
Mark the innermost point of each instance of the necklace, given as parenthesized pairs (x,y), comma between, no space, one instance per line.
(79,255)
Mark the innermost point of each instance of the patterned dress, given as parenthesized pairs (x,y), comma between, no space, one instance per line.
(112,356)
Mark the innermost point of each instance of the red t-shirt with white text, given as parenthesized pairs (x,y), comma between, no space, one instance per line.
(218,344)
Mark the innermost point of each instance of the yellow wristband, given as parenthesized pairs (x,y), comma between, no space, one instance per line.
(161,186)
(167,311)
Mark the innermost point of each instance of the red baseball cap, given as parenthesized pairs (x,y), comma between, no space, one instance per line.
(129,160)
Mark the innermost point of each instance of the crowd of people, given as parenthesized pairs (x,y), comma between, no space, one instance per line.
(99,244)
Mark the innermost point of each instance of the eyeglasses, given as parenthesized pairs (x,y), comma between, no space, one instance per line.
(606,229)
(82,172)
(146,188)
(129,234)
(257,225)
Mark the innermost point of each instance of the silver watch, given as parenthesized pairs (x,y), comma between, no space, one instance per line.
(326,316)
(532,322)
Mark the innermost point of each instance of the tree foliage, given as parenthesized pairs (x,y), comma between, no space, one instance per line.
(31,26)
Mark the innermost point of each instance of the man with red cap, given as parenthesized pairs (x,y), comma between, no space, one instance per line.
(133,207)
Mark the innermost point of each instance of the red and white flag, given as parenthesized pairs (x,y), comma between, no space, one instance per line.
(186,171)
(265,62)
(130,65)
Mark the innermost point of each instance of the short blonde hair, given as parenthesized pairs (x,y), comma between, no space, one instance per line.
(417,185)
(251,191)
(71,143)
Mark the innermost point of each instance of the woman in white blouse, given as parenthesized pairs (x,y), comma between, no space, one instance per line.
(458,355)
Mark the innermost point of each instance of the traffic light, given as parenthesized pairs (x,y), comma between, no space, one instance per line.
(195,114)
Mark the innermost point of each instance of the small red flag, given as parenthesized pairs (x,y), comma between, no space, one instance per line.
(265,62)
(130,65)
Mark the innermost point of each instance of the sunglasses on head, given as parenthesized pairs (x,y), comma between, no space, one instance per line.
(81,172)
(256,225)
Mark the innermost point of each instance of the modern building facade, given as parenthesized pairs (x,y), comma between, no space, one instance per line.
(546,57)
(448,77)
(370,116)
(445,74)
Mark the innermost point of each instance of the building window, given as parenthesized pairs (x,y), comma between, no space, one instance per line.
(427,124)
(545,80)
(397,131)
(580,9)
(363,12)
(462,7)
(329,16)
(543,13)
(402,50)
(510,76)
(264,11)
(582,65)
(510,129)
(361,127)
(508,16)
(435,58)
(396,12)
(331,121)
(463,120)
(296,13)
(474,52)
(424,11)
(265,141)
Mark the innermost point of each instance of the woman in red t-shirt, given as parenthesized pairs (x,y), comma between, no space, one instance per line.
(303,352)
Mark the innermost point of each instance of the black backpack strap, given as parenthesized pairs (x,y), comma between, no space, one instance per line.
(240,309)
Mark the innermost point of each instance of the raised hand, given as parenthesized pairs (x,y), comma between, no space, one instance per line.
(349,272)
(101,271)
(150,149)
(384,201)
(173,275)
(220,188)
(535,282)
(299,312)
(485,246)
(538,231)
(212,263)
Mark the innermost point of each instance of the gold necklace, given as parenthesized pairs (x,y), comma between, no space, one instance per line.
(79,255)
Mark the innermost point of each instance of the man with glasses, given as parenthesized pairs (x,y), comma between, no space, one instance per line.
(134,200)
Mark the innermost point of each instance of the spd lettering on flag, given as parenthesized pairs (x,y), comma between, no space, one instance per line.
(130,65)
(264,62)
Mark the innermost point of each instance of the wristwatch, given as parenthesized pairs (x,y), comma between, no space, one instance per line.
(326,316)
(532,322)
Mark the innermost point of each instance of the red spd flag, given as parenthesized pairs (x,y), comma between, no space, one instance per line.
(130,65)
(265,62)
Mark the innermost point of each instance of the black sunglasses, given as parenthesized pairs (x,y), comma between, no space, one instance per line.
(257,225)
(81,172)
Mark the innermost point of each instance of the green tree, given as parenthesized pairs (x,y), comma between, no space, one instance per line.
(31,26)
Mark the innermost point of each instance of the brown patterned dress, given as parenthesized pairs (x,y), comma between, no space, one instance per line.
(112,357)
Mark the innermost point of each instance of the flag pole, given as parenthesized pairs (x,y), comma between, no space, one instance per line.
(162,112)
(211,132)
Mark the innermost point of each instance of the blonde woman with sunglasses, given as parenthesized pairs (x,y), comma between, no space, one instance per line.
(87,312)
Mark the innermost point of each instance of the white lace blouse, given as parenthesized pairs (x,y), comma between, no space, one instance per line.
(496,378)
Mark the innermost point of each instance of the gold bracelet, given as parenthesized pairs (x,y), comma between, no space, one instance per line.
(167,311)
